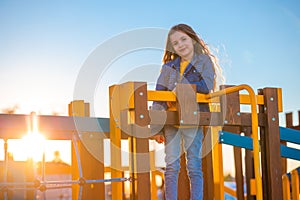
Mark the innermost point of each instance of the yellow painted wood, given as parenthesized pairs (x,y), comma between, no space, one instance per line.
(286,187)
(161,96)
(252,187)
(115,142)
(132,166)
(76,108)
(230,191)
(280,106)
(295,184)
(126,91)
(153,176)
(217,164)
(205,98)
(254,127)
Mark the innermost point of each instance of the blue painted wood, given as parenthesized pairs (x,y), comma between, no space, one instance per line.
(289,135)
(288,152)
(246,142)
(235,140)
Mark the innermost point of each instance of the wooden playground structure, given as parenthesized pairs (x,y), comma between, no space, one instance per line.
(256,133)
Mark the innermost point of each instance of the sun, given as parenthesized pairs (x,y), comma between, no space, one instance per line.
(33,145)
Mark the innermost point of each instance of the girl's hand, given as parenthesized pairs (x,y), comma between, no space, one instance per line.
(159,138)
(172,104)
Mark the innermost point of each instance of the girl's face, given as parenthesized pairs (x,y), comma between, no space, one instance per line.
(183,45)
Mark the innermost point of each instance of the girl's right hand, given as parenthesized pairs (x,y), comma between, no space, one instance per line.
(159,138)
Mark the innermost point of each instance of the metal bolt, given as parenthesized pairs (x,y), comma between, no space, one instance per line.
(141,93)
(238,114)
(195,112)
(141,116)
(225,121)
(273,119)
(265,108)
(271,99)
(222,140)
(181,121)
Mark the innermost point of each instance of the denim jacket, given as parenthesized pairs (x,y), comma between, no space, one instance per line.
(199,71)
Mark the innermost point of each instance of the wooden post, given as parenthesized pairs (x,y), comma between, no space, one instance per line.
(207,166)
(133,107)
(249,166)
(141,155)
(115,141)
(91,167)
(187,108)
(230,105)
(29,177)
(270,147)
(183,180)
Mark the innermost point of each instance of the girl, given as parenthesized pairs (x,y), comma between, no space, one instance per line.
(186,60)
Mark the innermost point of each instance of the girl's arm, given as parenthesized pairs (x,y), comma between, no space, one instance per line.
(206,82)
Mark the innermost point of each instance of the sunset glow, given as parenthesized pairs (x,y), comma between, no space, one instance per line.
(33,144)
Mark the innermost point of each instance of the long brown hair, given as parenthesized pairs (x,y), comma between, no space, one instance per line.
(199,47)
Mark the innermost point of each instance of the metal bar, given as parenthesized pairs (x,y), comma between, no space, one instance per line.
(254,129)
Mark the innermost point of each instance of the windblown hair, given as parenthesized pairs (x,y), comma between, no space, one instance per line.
(199,47)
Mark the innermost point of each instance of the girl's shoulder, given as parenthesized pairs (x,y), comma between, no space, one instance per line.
(173,63)
(202,58)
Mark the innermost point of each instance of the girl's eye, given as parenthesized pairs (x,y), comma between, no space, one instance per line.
(175,43)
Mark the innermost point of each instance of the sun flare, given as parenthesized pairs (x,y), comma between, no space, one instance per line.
(33,145)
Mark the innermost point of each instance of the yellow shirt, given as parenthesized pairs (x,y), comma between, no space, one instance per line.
(183,65)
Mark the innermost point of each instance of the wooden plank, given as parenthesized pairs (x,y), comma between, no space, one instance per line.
(205,118)
(183,180)
(289,135)
(286,187)
(249,165)
(92,167)
(236,140)
(270,143)
(217,156)
(239,179)
(230,107)
(289,120)
(141,154)
(187,106)
(202,98)
(207,166)
(115,141)
(291,153)
(14,126)
(295,184)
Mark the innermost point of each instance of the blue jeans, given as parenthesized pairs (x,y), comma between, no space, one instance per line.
(191,141)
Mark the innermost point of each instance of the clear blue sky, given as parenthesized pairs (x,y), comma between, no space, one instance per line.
(45,43)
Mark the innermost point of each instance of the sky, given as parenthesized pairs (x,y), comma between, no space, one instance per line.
(45,46)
